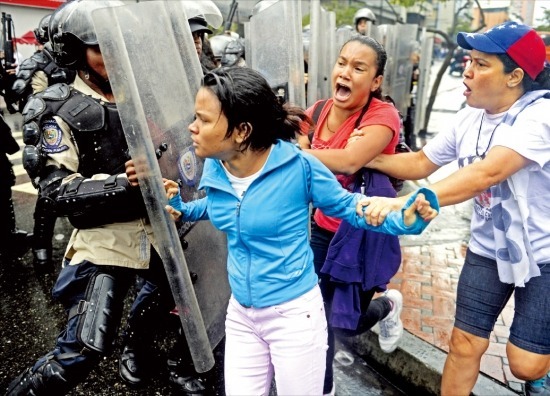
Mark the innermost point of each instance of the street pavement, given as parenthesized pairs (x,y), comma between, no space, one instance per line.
(427,278)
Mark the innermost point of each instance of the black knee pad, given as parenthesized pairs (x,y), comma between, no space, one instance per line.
(99,315)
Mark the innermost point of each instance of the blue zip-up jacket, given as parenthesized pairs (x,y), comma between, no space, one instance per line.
(269,259)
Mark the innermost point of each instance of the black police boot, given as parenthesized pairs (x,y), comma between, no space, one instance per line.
(135,358)
(48,379)
(17,243)
(42,257)
(184,378)
(44,224)
(138,356)
(131,365)
(21,241)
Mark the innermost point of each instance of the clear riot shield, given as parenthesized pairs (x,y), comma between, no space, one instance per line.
(274,48)
(328,48)
(155,73)
(343,34)
(208,9)
(422,89)
(399,41)
(314,70)
(322,53)
(377,33)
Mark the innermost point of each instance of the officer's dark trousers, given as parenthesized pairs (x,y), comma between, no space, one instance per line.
(70,289)
(152,304)
(44,225)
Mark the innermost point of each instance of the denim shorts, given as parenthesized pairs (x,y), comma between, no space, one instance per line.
(481,296)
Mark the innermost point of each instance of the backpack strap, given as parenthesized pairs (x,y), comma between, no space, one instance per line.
(315,116)
(319,107)
(363,111)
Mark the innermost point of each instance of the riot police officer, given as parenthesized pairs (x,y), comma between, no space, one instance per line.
(76,153)
(40,70)
(199,29)
(363,19)
(36,74)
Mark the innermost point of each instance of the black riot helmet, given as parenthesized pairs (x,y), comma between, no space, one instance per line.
(198,24)
(41,32)
(71,30)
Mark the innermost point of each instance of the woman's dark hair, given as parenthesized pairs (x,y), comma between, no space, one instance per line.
(248,101)
(541,82)
(207,59)
(381,57)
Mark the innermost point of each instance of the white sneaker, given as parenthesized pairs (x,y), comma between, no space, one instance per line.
(344,358)
(391,327)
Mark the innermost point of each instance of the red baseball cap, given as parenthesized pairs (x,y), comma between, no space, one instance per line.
(519,41)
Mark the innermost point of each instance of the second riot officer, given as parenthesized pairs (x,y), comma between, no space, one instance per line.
(35,75)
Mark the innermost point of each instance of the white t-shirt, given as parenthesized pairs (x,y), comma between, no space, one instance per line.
(459,143)
(530,137)
(241,184)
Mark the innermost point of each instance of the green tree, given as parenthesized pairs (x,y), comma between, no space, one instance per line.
(411,3)
(544,21)
(451,45)
(344,10)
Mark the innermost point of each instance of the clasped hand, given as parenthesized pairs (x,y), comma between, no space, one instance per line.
(375,209)
(171,187)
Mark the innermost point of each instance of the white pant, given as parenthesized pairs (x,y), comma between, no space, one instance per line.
(289,339)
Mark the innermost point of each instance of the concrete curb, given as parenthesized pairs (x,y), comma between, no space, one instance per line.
(416,362)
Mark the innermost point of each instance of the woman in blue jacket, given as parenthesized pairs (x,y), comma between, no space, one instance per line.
(258,190)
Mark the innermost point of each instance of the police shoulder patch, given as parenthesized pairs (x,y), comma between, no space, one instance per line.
(187,165)
(52,137)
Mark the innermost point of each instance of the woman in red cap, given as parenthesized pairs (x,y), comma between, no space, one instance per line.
(502,143)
